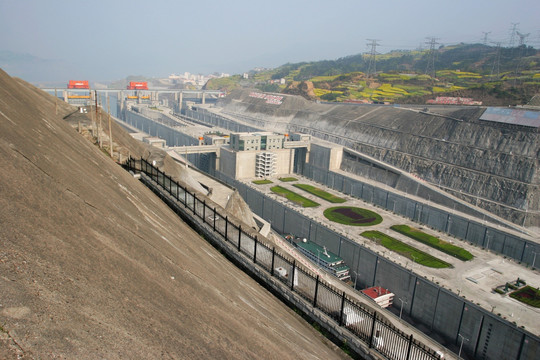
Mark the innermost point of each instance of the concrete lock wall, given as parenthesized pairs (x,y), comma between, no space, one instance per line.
(171,136)
(462,228)
(433,309)
(210,119)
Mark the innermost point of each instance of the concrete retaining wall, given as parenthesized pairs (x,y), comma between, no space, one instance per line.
(171,136)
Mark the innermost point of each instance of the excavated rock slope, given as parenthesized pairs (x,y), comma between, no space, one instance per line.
(495,165)
(93,265)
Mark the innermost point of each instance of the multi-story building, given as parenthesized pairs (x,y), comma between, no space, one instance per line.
(257,154)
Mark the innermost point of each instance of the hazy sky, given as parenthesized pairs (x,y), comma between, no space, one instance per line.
(111,39)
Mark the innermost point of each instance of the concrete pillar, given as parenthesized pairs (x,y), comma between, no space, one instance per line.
(291,161)
(65,95)
(218,157)
(180,99)
(203,98)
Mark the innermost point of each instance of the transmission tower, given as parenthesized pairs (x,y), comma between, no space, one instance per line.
(513,35)
(430,68)
(372,67)
(522,37)
(521,53)
(496,68)
(486,36)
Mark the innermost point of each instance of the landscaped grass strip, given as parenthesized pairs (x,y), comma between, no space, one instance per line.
(294,197)
(408,251)
(288,179)
(320,193)
(434,242)
(262,182)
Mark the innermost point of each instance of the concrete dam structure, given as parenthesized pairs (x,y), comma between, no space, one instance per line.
(490,162)
(432,307)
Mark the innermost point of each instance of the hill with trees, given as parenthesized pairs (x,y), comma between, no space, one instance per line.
(492,74)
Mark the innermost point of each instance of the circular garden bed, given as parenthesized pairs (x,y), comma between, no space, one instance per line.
(353,216)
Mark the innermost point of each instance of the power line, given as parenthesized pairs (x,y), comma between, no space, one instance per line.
(372,67)
(430,68)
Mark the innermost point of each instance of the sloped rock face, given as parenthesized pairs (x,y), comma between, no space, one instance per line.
(94,265)
(490,164)
(238,207)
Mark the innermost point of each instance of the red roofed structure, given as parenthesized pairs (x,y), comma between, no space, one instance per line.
(380,295)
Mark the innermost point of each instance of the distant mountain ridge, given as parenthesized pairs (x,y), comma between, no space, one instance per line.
(28,66)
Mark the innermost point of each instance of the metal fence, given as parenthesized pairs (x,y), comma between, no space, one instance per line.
(364,323)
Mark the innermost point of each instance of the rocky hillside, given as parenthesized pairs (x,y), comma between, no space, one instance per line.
(93,265)
(491,165)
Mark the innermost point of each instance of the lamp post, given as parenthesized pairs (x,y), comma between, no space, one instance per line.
(461,345)
(401,310)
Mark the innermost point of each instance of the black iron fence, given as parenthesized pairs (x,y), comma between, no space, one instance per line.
(375,332)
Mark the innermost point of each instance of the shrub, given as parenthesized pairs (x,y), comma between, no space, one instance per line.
(527,295)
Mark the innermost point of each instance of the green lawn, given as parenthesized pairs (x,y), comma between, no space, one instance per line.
(354,216)
(294,197)
(320,193)
(262,182)
(527,295)
(408,251)
(288,179)
(434,242)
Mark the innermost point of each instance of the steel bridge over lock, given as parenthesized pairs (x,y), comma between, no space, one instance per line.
(87,96)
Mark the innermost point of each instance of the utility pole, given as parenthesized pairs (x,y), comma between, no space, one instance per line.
(401,309)
(55,102)
(110,127)
(461,346)
(372,66)
(496,68)
(92,117)
(430,67)
(98,117)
